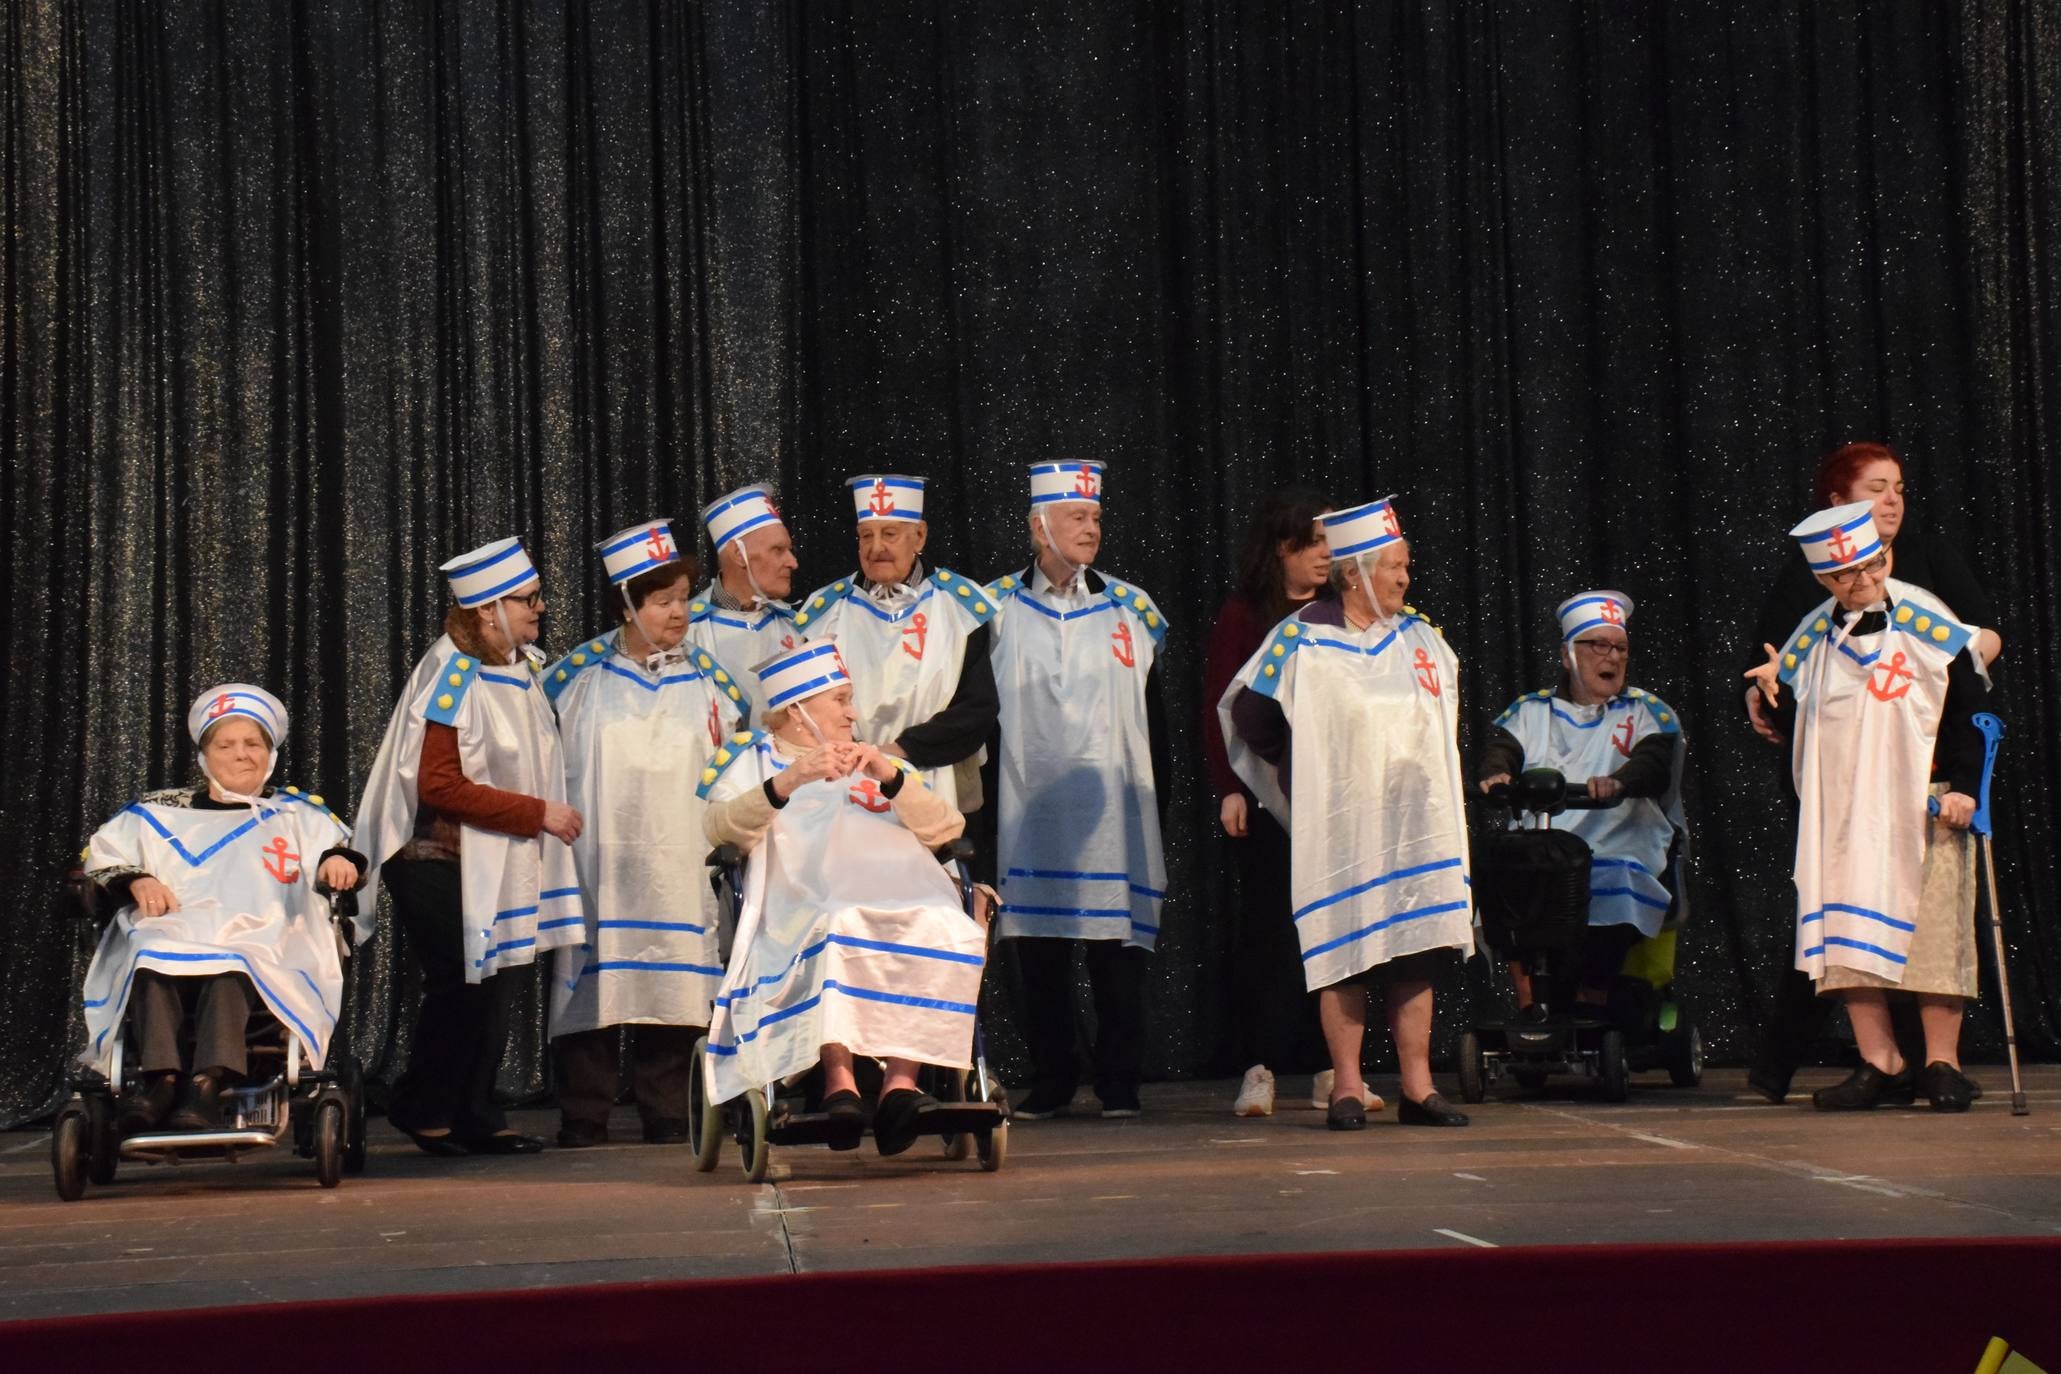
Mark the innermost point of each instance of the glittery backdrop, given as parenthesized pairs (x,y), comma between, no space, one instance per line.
(296,300)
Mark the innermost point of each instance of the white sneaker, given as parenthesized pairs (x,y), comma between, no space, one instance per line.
(1320,1094)
(1255,1094)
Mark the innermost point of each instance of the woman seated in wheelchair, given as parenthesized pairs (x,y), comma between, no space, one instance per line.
(218,912)
(852,940)
(1625,743)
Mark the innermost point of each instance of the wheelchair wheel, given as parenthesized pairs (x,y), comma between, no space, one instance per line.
(993,1148)
(69,1149)
(329,1141)
(1611,1070)
(354,1118)
(956,1087)
(704,1114)
(1473,1078)
(758,1151)
(103,1140)
(1684,1055)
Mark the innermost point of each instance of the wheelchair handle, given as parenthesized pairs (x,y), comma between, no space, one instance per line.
(724,856)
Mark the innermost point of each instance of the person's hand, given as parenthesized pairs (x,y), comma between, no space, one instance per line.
(825,761)
(1493,781)
(1762,726)
(1604,788)
(1767,683)
(1957,809)
(152,898)
(1231,812)
(893,750)
(874,763)
(562,822)
(337,873)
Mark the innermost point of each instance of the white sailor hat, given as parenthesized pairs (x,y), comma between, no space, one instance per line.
(490,572)
(1584,611)
(1052,483)
(1361,529)
(638,549)
(797,674)
(738,514)
(1839,537)
(237,699)
(887,496)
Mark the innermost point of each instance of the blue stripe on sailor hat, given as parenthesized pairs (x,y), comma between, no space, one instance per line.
(489,572)
(217,704)
(1839,537)
(630,552)
(1361,529)
(1585,611)
(1079,480)
(739,513)
(887,496)
(798,674)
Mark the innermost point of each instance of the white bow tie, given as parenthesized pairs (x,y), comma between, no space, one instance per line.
(656,663)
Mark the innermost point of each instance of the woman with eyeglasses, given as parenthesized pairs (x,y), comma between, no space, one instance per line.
(468,798)
(1877,688)
(1916,557)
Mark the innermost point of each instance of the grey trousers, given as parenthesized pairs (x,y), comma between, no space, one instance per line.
(221,1006)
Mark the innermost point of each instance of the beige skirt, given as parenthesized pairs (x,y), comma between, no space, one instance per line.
(1943,945)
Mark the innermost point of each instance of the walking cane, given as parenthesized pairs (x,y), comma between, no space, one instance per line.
(1992,731)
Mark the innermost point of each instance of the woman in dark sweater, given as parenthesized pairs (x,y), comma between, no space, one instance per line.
(1284,565)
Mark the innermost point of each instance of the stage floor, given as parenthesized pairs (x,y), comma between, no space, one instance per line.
(1186,1178)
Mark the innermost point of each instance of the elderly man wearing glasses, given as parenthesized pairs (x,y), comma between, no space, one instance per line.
(1624,742)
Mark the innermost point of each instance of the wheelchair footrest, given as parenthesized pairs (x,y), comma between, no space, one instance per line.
(817,1128)
(961,1118)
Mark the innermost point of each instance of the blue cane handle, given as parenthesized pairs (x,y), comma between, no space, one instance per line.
(1992,728)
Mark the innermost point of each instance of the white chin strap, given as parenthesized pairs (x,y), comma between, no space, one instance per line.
(501,619)
(253,802)
(744,561)
(1854,619)
(1053,545)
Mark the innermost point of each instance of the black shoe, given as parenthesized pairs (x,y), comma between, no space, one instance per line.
(145,1109)
(847,1109)
(1432,1111)
(576,1134)
(510,1143)
(1944,1086)
(665,1130)
(444,1146)
(1773,1084)
(1531,1014)
(1864,1088)
(1120,1102)
(200,1104)
(1346,1114)
(1040,1105)
(898,1120)
(1974,1088)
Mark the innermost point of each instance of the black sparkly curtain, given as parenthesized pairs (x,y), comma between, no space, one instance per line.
(297,300)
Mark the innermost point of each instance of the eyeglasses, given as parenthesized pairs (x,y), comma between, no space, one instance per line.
(1603,648)
(534,600)
(1845,576)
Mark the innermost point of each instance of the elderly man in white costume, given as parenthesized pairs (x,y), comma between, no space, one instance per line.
(218,912)
(1623,742)
(640,713)
(466,811)
(1343,724)
(1083,753)
(918,646)
(742,616)
(851,937)
(1882,691)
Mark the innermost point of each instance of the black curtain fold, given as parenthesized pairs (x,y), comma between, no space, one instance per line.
(298,301)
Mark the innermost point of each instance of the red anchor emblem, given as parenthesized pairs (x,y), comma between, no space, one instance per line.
(280,862)
(919,626)
(866,792)
(838,654)
(715,725)
(1621,738)
(1122,646)
(1840,547)
(1084,481)
(221,704)
(658,546)
(1613,613)
(786,642)
(881,503)
(774,511)
(1890,689)
(1427,673)
(1388,522)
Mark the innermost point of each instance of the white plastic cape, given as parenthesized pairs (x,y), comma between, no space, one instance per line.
(521,897)
(1078,843)
(904,656)
(245,883)
(741,639)
(1628,843)
(635,744)
(1867,718)
(1377,822)
(850,933)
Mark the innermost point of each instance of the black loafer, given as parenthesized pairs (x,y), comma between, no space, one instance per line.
(578,1135)
(443,1146)
(143,1110)
(1866,1088)
(848,1110)
(200,1105)
(1433,1110)
(1346,1114)
(665,1130)
(513,1143)
(1041,1106)
(898,1120)
(1944,1087)
(1769,1083)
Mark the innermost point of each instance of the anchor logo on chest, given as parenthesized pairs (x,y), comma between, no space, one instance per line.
(1889,688)
(1427,673)
(1621,738)
(281,862)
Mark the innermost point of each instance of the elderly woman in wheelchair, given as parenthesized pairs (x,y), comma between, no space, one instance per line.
(219,914)
(852,940)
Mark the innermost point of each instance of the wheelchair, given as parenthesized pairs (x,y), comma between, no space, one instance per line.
(318,1113)
(1532,889)
(972,1116)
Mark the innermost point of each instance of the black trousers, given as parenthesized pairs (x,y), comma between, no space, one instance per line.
(1116,978)
(589,1068)
(221,1005)
(1799,1022)
(1273,1013)
(461,1028)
